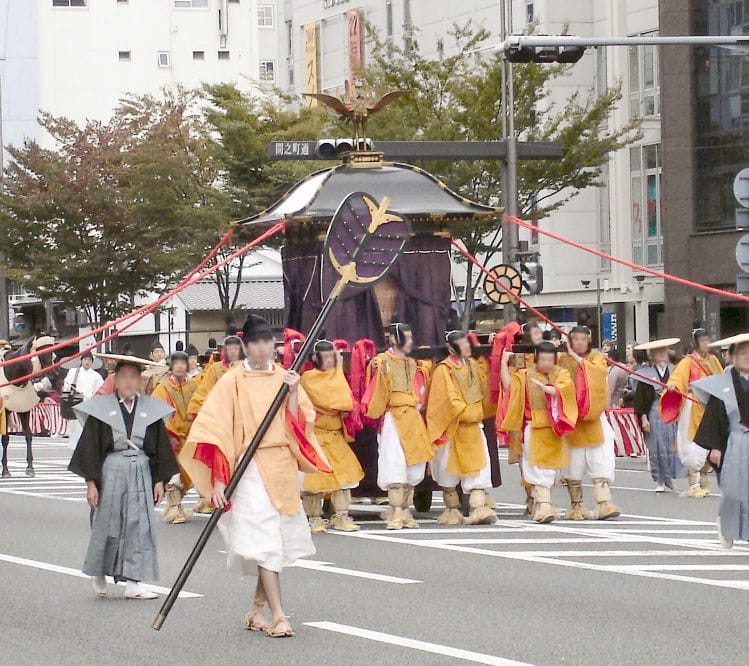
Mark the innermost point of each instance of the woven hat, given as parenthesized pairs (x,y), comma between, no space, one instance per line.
(657,344)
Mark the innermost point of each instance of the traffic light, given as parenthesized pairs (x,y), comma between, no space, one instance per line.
(544,54)
(331,148)
(532,274)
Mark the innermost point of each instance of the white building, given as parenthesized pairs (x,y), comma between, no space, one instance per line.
(623,217)
(77,58)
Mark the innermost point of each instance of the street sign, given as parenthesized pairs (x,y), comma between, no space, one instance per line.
(741,187)
(417,150)
(742,253)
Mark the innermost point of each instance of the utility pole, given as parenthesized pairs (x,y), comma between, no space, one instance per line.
(4,310)
(510,165)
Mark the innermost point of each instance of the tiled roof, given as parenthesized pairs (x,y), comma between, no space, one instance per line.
(253,295)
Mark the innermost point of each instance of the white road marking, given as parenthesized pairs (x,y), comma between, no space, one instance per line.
(433,648)
(56,568)
(685,567)
(326,566)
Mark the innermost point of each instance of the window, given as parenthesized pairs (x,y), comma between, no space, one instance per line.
(267,70)
(529,14)
(647,226)
(198,55)
(389,19)
(289,40)
(68,3)
(223,55)
(163,59)
(265,16)
(123,55)
(644,84)
(191,4)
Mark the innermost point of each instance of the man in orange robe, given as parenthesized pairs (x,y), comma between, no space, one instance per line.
(176,390)
(592,442)
(231,355)
(455,415)
(331,395)
(264,528)
(541,404)
(396,392)
(700,363)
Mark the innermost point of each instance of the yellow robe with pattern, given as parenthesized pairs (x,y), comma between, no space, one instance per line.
(208,379)
(394,393)
(546,448)
(589,430)
(331,396)
(177,396)
(456,417)
(680,377)
(515,438)
(228,420)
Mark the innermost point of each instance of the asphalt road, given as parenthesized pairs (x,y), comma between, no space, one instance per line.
(650,587)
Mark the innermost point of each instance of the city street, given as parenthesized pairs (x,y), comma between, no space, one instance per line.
(653,586)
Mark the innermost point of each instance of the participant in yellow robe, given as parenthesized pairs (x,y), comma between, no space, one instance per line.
(674,405)
(176,390)
(542,405)
(395,394)
(331,395)
(264,528)
(455,415)
(592,442)
(231,354)
(531,336)
(153,374)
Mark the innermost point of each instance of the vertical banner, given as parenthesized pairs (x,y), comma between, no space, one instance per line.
(355,44)
(310,61)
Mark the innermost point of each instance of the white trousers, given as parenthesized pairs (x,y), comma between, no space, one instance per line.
(391,461)
(598,462)
(536,476)
(692,456)
(482,481)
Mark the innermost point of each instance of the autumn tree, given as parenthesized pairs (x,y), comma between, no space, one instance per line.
(112,209)
(456,96)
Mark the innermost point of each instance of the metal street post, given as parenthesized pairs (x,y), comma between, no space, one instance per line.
(4,309)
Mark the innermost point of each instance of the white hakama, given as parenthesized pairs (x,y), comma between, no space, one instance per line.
(482,481)
(391,460)
(598,462)
(256,534)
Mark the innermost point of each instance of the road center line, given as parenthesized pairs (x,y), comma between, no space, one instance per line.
(67,571)
(433,648)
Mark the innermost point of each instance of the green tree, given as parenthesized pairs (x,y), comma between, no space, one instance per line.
(456,96)
(116,208)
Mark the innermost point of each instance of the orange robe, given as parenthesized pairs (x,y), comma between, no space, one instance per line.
(208,378)
(691,368)
(455,412)
(332,398)
(227,423)
(393,388)
(592,394)
(527,404)
(177,395)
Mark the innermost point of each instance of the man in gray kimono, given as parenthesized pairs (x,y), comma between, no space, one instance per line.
(724,432)
(126,458)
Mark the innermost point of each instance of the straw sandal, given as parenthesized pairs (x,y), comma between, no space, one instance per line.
(250,620)
(274,632)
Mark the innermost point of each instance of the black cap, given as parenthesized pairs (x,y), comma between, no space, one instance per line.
(256,328)
(156,345)
(192,350)
(179,356)
(88,355)
(232,340)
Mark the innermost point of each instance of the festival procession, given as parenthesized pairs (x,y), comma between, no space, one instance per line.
(473,388)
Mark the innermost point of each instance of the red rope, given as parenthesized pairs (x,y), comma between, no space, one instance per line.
(624,262)
(143,311)
(542,316)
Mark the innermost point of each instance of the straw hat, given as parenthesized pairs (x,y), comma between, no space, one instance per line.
(124,358)
(733,340)
(657,344)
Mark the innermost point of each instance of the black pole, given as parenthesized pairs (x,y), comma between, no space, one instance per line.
(244,461)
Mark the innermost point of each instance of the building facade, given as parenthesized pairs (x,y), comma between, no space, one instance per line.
(320,46)
(77,58)
(705,102)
